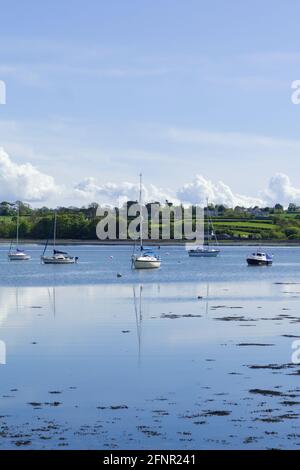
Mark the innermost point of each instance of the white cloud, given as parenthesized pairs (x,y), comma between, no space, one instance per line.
(198,190)
(24,181)
(116,194)
(280,189)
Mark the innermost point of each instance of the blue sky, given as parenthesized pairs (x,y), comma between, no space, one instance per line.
(98,91)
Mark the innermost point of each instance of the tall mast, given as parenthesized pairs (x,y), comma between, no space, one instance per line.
(207,221)
(18,221)
(141,214)
(54,234)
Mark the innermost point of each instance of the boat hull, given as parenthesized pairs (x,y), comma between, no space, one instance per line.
(146,264)
(49,260)
(204,254)
(257,262)
(18,257)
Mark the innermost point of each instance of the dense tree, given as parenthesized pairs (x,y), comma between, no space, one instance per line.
(292,207)
(278,208)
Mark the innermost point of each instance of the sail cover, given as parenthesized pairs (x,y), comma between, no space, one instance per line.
(56,252)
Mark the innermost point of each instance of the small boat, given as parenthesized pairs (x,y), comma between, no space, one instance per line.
(146,259)
(206,251)
(58,257)
(259,258)
(17,254)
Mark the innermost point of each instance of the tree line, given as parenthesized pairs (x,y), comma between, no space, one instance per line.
(80,223)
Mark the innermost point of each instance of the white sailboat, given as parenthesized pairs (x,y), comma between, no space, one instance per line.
(206,250)
(17,254)
(58,257)
(146,259)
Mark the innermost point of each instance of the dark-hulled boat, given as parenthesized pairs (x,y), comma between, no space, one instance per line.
(259,258)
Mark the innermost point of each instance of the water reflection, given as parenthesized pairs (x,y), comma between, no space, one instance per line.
(137,299)
(52,299)
(207,298)
(173,355)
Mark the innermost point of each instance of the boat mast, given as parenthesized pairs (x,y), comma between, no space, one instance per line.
(141,214)
(207,221)
(54,234)
(18,221)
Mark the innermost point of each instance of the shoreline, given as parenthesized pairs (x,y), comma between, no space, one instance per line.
(74,242)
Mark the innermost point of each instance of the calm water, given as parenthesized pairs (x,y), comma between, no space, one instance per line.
(194,355)
(101,264)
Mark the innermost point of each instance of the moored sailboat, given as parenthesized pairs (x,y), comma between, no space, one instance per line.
(17,254)
(58,257)
(206,250)
(147,258)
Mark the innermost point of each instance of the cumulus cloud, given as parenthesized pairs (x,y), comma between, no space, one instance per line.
(194,192)
(201,188)
(27,183)
(280,189)
(116,194)
(24,181)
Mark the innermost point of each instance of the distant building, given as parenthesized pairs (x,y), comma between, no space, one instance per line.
(258,211)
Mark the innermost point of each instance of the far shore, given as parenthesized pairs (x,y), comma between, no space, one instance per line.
(153,242)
